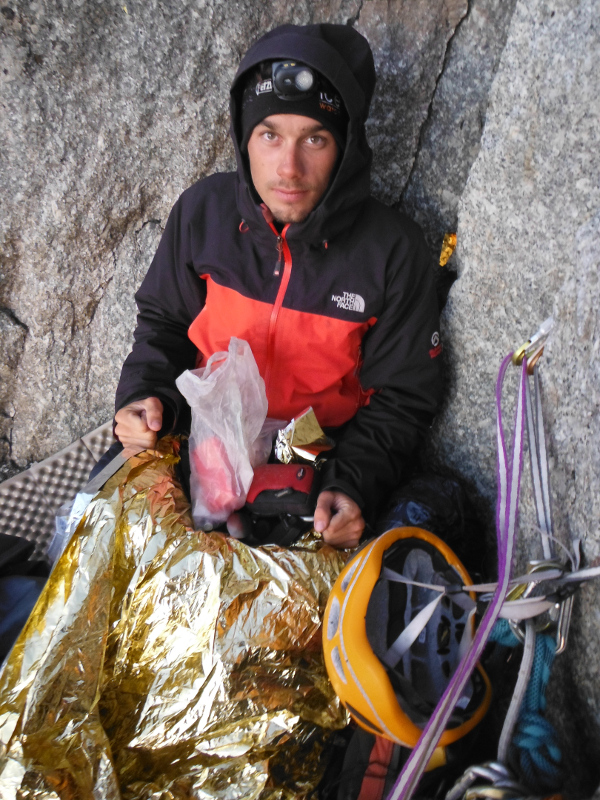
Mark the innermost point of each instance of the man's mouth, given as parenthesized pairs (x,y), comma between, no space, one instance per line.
(287,193)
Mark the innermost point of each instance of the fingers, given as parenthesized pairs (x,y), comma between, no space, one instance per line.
(137,423)
(154,413)
(323,511)
(339,519)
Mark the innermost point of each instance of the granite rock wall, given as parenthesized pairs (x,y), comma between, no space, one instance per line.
(485,121)
(108,111)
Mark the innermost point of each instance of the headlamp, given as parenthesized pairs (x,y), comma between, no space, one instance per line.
(293,81)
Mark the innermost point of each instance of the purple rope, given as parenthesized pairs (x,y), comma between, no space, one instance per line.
(509,481)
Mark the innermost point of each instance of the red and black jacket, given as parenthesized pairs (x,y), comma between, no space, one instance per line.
(339,309)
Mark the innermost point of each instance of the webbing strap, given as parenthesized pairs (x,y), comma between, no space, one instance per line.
(556,575)
(391,575)
(526,608)
(410,633)
(517,610)
(581,575)
(509,478)
(538,458)
(512,715)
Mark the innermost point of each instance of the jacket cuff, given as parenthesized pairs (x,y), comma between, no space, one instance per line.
(330,482)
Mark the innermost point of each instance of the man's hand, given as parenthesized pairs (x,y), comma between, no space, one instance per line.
(138,423)
(339,519)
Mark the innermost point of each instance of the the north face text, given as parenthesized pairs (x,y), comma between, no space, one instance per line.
(349,301)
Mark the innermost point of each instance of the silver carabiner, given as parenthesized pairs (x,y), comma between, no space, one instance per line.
(558,617)
(534,346)
(501,783)
(563,624)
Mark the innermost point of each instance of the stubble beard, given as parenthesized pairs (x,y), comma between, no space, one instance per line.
(287,215)
(286,218)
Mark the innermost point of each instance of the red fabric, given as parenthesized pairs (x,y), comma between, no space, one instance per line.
(280,476)
(373,784)
(325,374)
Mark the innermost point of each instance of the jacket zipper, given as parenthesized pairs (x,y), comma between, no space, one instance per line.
(279,254)
(284,254)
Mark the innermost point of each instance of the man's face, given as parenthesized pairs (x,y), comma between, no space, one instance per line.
(291,161)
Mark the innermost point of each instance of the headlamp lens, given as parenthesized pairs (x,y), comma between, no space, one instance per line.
(304,80)
(293,81)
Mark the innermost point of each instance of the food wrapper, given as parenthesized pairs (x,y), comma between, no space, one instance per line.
(163,662)
(448,247)
(302,440)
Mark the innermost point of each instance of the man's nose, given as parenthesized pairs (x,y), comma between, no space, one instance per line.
(290,165)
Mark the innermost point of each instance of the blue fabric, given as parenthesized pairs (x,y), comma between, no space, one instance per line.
(18,595)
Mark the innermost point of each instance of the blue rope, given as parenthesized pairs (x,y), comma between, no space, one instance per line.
(503,634)
(535,750)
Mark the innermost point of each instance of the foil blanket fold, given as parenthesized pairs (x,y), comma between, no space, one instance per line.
(163,662)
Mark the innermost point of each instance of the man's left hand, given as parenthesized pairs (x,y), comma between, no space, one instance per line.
(339,519)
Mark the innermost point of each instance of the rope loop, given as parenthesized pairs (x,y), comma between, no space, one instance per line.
(536,754)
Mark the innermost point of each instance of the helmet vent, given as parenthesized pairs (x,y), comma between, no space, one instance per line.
(443,636)
(337,663)
(348,576)
(334,618)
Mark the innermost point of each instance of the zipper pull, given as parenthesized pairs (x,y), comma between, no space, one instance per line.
(279,254)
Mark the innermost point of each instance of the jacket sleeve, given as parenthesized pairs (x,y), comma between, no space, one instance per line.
(169,299)
(401,365)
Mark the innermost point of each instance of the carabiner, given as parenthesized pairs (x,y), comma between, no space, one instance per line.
(563,624)
(559,616)
(501,784)
(533,347)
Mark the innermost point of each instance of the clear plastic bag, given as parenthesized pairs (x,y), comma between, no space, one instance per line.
(261,449)
(229,407)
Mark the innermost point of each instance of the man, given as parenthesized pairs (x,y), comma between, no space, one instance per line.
(331,289)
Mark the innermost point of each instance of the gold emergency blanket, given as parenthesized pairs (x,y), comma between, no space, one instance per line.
(163,662)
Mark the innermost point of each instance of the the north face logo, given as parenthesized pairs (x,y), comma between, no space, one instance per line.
(349,301)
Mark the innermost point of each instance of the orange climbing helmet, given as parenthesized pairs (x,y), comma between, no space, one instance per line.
(392,641)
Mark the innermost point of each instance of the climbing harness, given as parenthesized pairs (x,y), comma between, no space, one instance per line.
(534,609)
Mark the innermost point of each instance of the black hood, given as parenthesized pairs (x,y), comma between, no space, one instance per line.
(344,57)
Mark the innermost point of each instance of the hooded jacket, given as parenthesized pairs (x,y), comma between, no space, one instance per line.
(339,309)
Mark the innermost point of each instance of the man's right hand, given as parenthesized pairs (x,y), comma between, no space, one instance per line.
(139,422)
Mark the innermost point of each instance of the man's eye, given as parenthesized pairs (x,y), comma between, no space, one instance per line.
(315,139)
(269,136)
